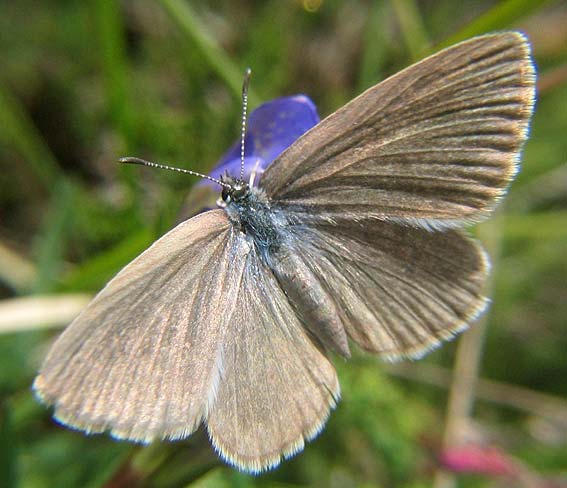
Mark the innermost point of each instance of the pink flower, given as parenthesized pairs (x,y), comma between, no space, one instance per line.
(485,460)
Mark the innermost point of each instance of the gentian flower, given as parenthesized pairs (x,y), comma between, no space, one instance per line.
(271,128)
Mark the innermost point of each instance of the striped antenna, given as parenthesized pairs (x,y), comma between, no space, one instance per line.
(143,162)
(245,85)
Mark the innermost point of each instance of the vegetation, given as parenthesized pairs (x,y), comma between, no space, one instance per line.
(84,83)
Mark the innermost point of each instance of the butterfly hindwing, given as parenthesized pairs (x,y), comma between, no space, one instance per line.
(277,387)
(399,290)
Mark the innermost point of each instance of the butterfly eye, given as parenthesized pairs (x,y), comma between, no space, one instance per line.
(226,194)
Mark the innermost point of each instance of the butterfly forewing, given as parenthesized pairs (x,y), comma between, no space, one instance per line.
(143,359)
(434,145)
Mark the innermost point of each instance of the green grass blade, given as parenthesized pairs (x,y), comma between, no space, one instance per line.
(51,243)
(375,48)
(98,270)
(19,132)
(8,455)
(182,13)
(112,58)
(499,17)
(412,27)
(110,30)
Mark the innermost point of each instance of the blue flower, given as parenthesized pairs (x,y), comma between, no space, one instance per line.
(272,128)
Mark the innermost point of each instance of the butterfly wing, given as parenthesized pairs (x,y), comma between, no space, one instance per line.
(196,328)
(142,360)
(398,291)
(434,145)
(277,387)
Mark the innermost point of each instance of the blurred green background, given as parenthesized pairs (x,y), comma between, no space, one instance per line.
(84,83)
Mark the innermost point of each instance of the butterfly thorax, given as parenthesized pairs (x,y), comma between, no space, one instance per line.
(251,212)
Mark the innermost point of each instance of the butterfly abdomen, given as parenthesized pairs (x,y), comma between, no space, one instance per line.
(307,295)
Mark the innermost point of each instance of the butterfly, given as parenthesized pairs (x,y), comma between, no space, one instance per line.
(354,234)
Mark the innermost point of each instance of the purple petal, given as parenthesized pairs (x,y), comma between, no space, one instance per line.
(272,128)
(232,167)
(276,125)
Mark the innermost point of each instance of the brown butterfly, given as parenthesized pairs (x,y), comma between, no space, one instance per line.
(354,232)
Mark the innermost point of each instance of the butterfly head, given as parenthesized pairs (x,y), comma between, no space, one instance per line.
(234,190)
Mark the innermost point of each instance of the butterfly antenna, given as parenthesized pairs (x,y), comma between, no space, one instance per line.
(245,85)
(143,162)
